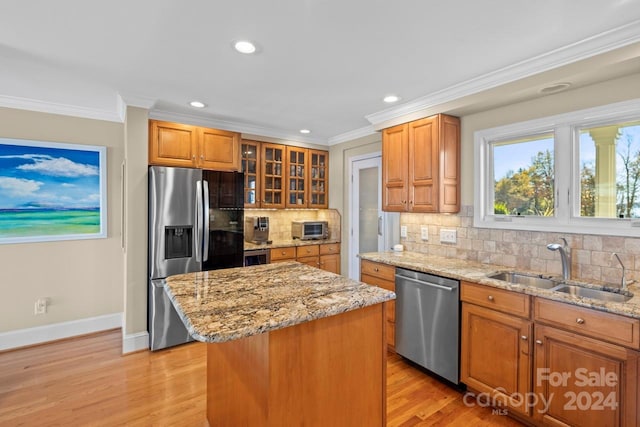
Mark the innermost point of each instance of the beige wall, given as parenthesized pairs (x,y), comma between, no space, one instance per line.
(591,255)
(616,90)
(136,207)
(82,278)
(339,156)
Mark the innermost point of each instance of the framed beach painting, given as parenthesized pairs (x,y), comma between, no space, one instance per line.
(52,191)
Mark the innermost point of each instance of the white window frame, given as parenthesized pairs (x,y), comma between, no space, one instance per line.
(564,127)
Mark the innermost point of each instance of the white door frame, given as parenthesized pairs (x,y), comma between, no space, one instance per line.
(354,233)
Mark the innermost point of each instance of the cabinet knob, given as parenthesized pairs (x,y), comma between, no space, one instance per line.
(538,342)
(579,321)
(284,253)
(490,298)
(524,337)
(193,157)
(376,269)
(404,202)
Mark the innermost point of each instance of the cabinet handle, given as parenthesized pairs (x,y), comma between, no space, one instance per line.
(524,337)
(579,321)
(538,342)
(490,298)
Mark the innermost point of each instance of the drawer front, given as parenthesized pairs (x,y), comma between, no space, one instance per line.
(496,299)
(283,253)
(310,261)
(330,248)
(376,281)
(309,250)
(383,271)
(605,326)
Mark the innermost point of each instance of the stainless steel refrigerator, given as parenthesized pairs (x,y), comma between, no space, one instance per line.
(195,223)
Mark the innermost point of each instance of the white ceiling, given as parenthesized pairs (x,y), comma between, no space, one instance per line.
(323,64)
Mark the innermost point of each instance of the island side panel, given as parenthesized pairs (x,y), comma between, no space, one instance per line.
(330,371)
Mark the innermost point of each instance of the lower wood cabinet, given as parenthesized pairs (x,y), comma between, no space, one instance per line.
(581,381)
(496,356)
(383,276)
(325,256)
(554,365)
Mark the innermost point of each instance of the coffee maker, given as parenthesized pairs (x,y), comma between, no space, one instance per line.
(256,229)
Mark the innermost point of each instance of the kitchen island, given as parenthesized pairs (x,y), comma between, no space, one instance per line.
(288,344)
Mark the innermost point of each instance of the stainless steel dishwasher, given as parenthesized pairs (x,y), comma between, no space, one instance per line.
(427,321)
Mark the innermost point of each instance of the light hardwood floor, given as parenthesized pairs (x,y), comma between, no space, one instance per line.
(86,382)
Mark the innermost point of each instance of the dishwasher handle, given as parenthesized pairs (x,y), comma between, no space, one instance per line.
(420,282)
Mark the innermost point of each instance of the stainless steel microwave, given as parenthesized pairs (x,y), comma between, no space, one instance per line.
(310,230)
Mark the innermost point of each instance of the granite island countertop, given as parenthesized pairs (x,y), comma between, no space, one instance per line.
(475,272)
(229,304)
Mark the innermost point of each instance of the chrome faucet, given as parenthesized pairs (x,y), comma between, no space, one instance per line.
(565,256)
(624,282)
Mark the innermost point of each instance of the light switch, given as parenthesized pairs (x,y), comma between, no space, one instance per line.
(403,231)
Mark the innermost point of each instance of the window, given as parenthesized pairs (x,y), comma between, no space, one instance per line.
(562,173)
(610,171)
(523,171)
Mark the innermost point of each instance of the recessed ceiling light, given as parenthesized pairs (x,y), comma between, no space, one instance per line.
(197,104)
(556,87)
(244,46)
(305,131)
(391,99)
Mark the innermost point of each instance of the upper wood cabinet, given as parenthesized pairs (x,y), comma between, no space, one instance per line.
(318,179)
(279,176)
(272,175)
(174,144)
(421,166)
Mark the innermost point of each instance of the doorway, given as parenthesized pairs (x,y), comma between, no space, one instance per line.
(372,230)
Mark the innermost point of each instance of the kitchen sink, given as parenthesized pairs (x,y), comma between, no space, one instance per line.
(593,293)
(536,281)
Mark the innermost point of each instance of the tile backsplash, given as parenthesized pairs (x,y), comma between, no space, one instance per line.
(591,255)
(280,220)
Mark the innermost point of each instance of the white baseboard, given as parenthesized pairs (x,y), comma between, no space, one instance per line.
(135,342)
(56,331)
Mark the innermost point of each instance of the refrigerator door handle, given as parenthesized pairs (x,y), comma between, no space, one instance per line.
(198,221)
(205,251)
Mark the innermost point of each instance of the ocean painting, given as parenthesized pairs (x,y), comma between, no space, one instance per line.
(51,191)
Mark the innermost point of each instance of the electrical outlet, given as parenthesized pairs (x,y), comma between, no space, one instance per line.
(424,232)
(447,236)
(403,231)
(40,306)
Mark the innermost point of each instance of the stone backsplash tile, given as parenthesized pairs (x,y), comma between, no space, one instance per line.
(591,255)
(280,220)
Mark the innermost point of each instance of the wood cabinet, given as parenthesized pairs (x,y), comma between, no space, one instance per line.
(586,366)
(496,355)
(281,176)
(555,363)
(325,256)
(383,276)
(174,144)
(421,166)
(583,381)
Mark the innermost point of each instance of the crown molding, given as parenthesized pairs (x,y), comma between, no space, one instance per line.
(57,108)
(583,49)
(351,135)
(232,126)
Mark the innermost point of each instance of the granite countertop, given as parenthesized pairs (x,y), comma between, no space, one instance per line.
(477,273)
(228,304)
(286,243)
